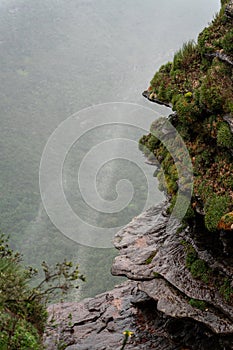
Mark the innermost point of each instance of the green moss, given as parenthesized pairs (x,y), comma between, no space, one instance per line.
(199,304)
(199,269)
(224,136)
(215,207)
(187,109)
(191,256)
(210,94)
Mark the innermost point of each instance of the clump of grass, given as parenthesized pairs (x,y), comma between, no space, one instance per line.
(184,57)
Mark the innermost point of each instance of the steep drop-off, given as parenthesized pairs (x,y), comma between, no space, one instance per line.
(180,289)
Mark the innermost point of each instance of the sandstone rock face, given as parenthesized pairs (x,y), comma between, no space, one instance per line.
(160,302)
(148,251)
(96,323)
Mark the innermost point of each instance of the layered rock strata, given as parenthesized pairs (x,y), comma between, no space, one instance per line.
(156,303)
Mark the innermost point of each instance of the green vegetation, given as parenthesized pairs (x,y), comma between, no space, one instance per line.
(199,304)
(198,83)
(150,258)
(196,266)
(23,308)
(227,42)
(156,275)
(191,254)
(224,136)
(226,290)
(127,334)
(200,270)
(215,208)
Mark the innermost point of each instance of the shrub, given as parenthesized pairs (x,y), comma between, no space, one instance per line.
(23,308)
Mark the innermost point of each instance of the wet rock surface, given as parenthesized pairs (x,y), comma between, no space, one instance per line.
(96,323)
(99,324)
(148,250)
(157,303)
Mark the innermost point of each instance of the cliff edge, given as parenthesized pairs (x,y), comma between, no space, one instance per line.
(179,293)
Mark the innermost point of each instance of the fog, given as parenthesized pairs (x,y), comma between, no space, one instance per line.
(57,58)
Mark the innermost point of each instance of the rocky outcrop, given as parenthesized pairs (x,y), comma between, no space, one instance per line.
(229,120)
(96,323)
(221,56)
(163,305)
(229,9)
(151,96)
(148,251)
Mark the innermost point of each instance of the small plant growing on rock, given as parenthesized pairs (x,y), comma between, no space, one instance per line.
(224,136)
(199,304)
(199,269)
(226,290)
(127,335)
